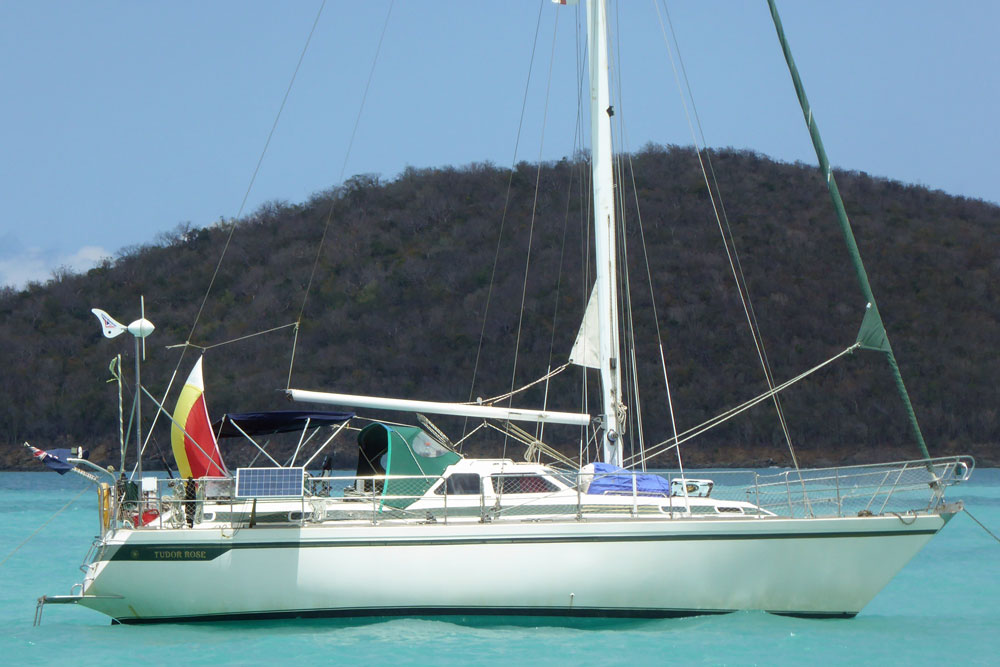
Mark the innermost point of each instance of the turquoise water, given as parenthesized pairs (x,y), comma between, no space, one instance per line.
(944,608)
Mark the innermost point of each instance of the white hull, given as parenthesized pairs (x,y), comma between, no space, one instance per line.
(813,567)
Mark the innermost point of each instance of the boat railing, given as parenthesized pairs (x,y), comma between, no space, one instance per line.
(859,490)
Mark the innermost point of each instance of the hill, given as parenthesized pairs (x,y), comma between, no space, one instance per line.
(398,299)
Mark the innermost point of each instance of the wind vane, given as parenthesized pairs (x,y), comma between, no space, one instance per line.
(140,328)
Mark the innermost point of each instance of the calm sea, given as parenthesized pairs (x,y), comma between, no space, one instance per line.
(944,608)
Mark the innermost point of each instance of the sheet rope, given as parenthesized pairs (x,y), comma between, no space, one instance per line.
(502,397)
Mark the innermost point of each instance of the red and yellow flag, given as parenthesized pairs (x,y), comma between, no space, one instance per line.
(195,448)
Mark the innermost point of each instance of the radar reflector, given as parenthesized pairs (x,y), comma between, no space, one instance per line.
(270,482)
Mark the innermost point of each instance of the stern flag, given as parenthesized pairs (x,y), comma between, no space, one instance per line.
(57,459)
(195,448)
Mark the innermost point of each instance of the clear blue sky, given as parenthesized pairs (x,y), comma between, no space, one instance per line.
(122,119)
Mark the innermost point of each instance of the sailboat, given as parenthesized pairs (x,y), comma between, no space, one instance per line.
(421,529)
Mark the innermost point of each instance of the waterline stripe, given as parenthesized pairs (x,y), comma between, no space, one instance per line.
(370,612)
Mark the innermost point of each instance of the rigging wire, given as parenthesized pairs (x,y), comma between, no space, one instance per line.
(204,348)
(534,210)
(47,522)
(253,177)
(587,436)
(232,223)
(656,319)
(506,208)
(577,140)
(333,201)
(532,443)
(725,230)
(631,369)
(981,525)
(632,380)
(738,272)
(725,416)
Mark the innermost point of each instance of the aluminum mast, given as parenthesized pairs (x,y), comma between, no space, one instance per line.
(604,228)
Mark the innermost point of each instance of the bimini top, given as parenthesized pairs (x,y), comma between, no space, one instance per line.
(279,421)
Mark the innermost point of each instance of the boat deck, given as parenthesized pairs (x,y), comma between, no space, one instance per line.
(535,493)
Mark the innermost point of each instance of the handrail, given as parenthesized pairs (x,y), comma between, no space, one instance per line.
(379,499)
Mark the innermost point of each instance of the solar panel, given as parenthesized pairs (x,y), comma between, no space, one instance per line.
(269,482)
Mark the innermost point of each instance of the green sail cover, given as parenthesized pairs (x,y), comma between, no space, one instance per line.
(872,335)
(402,451)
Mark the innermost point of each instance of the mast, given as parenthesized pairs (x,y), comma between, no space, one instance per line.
(604,228)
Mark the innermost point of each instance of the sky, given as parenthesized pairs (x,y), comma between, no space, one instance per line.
(121,120)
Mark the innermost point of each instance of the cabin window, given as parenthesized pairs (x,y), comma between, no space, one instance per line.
(569,479)
(461,484)
(522,484)
(422,445)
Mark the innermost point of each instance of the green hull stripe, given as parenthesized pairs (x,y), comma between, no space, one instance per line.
(210,551)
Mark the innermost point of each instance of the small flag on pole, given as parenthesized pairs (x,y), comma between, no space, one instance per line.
(57,459)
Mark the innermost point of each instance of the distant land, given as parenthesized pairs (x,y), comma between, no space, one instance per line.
(399,295)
